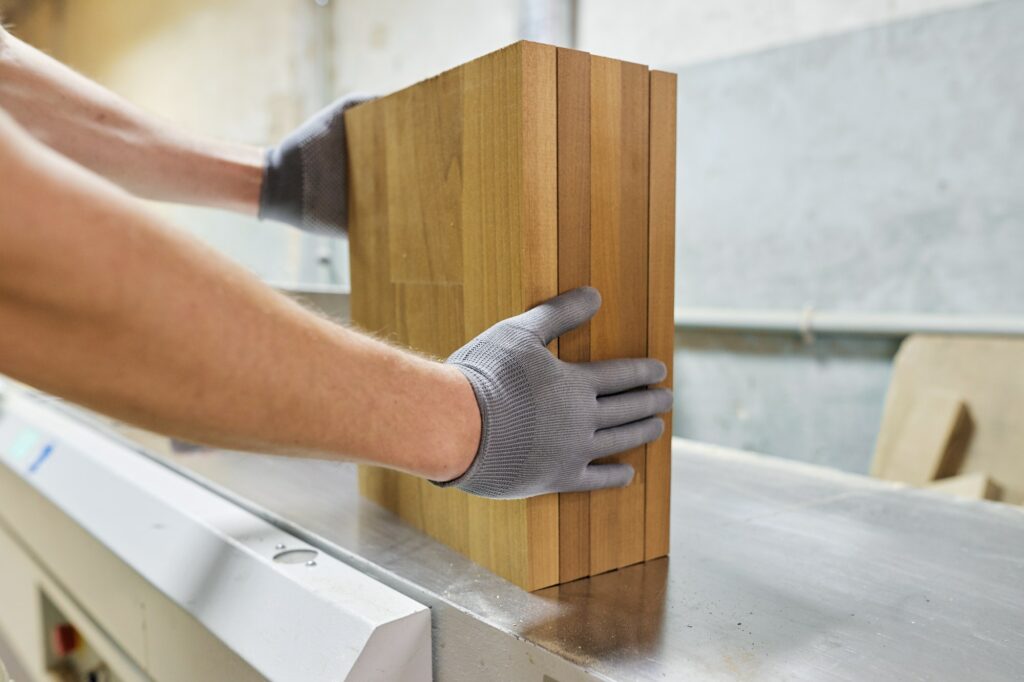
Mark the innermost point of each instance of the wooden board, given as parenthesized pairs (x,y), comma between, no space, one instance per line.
(454,228)
(481,192)
(574,271)
(976,486)
(661,299)
(931,440)
(988,375)
(619,170)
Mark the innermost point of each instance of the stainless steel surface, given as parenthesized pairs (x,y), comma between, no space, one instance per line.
(778,570)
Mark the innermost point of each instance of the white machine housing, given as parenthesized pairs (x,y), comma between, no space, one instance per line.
(168,580)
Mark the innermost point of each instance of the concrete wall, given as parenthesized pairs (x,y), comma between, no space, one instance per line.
(874,170)
(384,45)
(671,34)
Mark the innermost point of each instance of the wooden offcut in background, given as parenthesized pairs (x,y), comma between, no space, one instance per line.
(484,191)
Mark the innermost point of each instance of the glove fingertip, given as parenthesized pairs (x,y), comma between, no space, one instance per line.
(663,400)
(613,475)
(659,371)
(561,314)
(592,297)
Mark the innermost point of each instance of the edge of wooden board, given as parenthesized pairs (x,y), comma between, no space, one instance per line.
(619,205)
(574,271)
(539,178)
(660,299)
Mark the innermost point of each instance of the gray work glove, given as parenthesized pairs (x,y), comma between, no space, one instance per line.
(304,181)
(544,421)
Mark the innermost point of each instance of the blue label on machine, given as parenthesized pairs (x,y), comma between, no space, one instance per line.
(40,458)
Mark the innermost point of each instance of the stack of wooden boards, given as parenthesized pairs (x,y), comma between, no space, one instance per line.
(483,191)
(952,417)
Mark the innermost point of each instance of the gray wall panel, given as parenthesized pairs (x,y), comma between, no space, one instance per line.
(880,170)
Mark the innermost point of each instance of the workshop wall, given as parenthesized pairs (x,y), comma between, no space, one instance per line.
(846,155)
(251,70)
(869,170)
(674,34)
(383,45)
(234,69)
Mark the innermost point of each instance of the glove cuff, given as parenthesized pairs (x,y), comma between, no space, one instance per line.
(469,473)
(505,434)
(281,191)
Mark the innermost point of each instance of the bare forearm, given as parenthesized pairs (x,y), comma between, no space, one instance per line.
(134,320)
(118,140)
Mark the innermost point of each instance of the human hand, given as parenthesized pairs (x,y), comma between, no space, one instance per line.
(545,421)
(304,179)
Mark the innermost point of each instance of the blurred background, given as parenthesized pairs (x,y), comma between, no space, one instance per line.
(850,171)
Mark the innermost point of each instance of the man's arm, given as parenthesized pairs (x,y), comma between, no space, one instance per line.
(120,141)
(104,305)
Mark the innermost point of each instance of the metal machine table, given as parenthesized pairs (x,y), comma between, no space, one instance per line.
(778,570)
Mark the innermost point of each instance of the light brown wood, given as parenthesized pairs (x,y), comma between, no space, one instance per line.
(618,269)
(510,127)
(454,231)
(539,174)
(988,375)
(976,486)
(931,440)
(482,192)
(376,313)
(661,299)
(574,271)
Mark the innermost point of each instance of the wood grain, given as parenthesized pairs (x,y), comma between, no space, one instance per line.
(618,269)
(482,192)
(539,174)
(373,301)
(429,320)
(454,228)
(976,486)
(574,271)
(424,140)
(661,299)
(988,375)
(931,440)
(491,212)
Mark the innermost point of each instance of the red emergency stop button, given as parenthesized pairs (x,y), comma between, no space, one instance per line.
(65,639)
